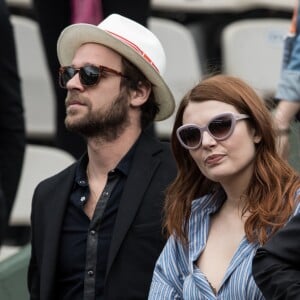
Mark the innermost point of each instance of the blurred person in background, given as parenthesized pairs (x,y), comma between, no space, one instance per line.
(53,16)
(12,127)
(288,91)
(276,265)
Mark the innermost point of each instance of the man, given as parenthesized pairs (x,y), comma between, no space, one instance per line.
(96,226)
(53,16)
(276,266)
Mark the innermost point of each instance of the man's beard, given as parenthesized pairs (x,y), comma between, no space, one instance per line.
(106,124)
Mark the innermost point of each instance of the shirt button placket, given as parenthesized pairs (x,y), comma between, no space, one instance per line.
(90,273)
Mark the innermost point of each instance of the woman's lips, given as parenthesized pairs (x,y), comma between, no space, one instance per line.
(214,159)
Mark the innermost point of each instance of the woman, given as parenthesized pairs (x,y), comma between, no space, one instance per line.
(224,144)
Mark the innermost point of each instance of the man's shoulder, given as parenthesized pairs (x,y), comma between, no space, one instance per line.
(153,143)
(59,178)
(152,146)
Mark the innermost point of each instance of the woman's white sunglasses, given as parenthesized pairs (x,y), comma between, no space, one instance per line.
(220,128)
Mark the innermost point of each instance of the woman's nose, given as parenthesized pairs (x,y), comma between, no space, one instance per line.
(207,140)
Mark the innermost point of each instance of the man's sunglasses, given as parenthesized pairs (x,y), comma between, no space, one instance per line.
(220,128)
(89,75)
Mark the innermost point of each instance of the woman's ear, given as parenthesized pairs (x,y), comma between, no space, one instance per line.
(256,137)
(140,95)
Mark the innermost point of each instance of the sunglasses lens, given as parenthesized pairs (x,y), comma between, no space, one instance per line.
(190,136)
(89,75)
(220,127)
(65,75)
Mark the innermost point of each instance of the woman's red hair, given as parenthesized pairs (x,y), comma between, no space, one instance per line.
(270,197)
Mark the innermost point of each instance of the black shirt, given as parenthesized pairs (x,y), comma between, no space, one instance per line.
(85,243)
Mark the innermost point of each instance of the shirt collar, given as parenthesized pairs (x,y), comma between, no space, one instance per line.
(80,174)
(123,166)
(210,202)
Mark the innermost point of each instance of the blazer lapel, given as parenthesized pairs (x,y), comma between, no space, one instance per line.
(56,206)
(143,166)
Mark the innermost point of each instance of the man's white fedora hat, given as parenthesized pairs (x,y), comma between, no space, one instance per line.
(131,40)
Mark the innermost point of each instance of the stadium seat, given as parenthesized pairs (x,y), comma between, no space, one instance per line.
(40,162)
(252,50)
(38,93)
(183,69)
(13,275)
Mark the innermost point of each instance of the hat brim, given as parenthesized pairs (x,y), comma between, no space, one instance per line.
(78,34)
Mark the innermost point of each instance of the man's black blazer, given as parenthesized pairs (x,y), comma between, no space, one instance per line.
(137,238)
(276,266)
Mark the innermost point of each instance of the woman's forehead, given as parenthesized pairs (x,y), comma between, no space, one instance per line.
(205,110)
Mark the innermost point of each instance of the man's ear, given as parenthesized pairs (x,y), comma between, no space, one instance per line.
(140,95)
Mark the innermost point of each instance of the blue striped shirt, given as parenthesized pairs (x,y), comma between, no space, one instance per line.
(176,275)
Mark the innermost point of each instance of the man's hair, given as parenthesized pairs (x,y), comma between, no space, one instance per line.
(135,79)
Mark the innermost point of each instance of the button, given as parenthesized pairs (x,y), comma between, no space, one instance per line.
(90,273)
(93,232)
(82,199)
(106,193)
(82,182)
